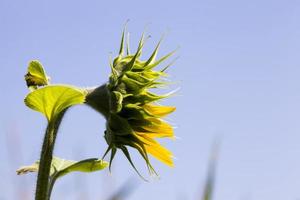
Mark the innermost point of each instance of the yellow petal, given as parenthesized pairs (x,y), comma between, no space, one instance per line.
(159,128)
(156,150)
(159,111)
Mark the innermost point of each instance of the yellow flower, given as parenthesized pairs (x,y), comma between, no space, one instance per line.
(134,118)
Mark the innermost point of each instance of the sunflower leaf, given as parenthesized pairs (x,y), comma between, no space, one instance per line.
(51,100)
(61,167)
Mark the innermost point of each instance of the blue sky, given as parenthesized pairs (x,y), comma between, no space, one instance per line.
(238,71)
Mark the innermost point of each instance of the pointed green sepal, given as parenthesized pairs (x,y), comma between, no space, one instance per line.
(121,51)
(153,56)
(138,53)
(112,155)
(126,153)
(127,45)
(154,64)
(116,102)
(118,125)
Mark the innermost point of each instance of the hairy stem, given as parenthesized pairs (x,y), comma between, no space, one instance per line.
(50,187)
(42,184)
(97,98)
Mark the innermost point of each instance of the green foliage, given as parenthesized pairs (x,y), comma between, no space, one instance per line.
(36,75)
(52,100)
(133,117)
(61,167)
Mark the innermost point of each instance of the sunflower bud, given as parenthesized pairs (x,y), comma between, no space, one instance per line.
(134,119)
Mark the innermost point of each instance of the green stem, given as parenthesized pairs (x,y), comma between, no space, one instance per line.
(98,99)
(46,158)
(51,184)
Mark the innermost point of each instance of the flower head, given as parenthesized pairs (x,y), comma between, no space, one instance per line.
(135,118)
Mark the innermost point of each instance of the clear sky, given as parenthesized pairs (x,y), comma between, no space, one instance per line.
(238,71)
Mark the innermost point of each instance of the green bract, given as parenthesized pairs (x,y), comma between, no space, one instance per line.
(134,119)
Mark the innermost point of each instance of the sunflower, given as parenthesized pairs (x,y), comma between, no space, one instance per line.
(134,117)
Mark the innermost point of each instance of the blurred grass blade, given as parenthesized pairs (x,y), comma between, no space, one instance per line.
(211,174)
(124,191)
